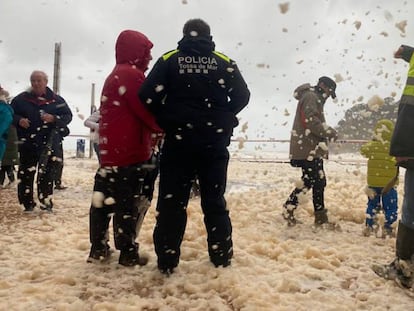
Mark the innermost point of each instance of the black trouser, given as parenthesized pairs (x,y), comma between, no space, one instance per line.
(26,173)
(116,190)
(153,165)
(178,167)
(313,177)
(9,170)
(57,164)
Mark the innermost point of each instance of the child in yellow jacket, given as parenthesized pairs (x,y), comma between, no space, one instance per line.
(381,169)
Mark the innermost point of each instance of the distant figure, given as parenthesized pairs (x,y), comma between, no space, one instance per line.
(309,146)
(126,144)
(41,118)
(92,122)
(195,93)
(402,148)
(10,159)
(6,118)
(381,169)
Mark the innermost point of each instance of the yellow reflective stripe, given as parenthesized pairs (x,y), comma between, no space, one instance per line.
(222,56)
(169,54)
(409,87)
(411,70)
(409,90)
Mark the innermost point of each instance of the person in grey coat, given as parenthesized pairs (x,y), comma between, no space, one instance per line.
(309,146)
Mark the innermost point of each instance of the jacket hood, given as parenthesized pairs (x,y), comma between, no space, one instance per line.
(199,45)
(133,47)
(383,130)
(300,90)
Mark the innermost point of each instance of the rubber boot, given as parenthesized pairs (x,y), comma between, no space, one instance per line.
(321,217)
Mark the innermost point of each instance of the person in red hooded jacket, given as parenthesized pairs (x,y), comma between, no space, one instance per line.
(126,144)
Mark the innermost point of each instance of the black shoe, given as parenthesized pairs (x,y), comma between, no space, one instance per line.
(47,207)
(167,264)
(28,208)
(220,257)
(388,272)
(321,217)
(132,258)
(166,271)
(99,255)
(222,264)
(397,270)
(60,187)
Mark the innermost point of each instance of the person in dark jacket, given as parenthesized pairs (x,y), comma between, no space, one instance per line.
(40,115)
(126,144)
(309,146)
(401,268)
(195,94)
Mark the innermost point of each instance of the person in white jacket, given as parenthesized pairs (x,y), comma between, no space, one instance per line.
(92,122)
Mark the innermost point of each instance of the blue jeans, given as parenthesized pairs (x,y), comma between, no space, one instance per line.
(387,202)
(407,217)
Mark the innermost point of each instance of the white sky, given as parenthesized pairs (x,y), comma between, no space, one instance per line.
(275,50)
(275,267)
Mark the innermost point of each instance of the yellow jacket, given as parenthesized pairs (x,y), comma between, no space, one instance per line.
(381,166)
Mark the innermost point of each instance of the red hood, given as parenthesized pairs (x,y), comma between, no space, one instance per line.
(133,47)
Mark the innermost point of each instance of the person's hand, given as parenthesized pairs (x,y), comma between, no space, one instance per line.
(398,53)
(332,134)
(24,123)
(401,159)
(47,117)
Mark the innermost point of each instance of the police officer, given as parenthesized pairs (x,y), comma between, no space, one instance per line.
(195,94)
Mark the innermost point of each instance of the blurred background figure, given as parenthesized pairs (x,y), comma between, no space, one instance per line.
(6,118)
(10,159)
(92,122)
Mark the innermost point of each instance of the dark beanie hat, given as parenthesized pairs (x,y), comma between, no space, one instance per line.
(330,84)
(196,27)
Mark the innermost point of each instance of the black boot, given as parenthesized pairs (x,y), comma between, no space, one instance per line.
(321,217)
(402,268)
(130,258)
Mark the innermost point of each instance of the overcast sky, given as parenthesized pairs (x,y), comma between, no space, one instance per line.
(278,45)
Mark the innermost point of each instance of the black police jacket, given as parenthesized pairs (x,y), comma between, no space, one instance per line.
(195,93)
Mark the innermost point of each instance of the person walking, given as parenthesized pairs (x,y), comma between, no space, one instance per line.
(40,116)
(381,169)
(126,144)
(309,146)
(195,94)
(401,269)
